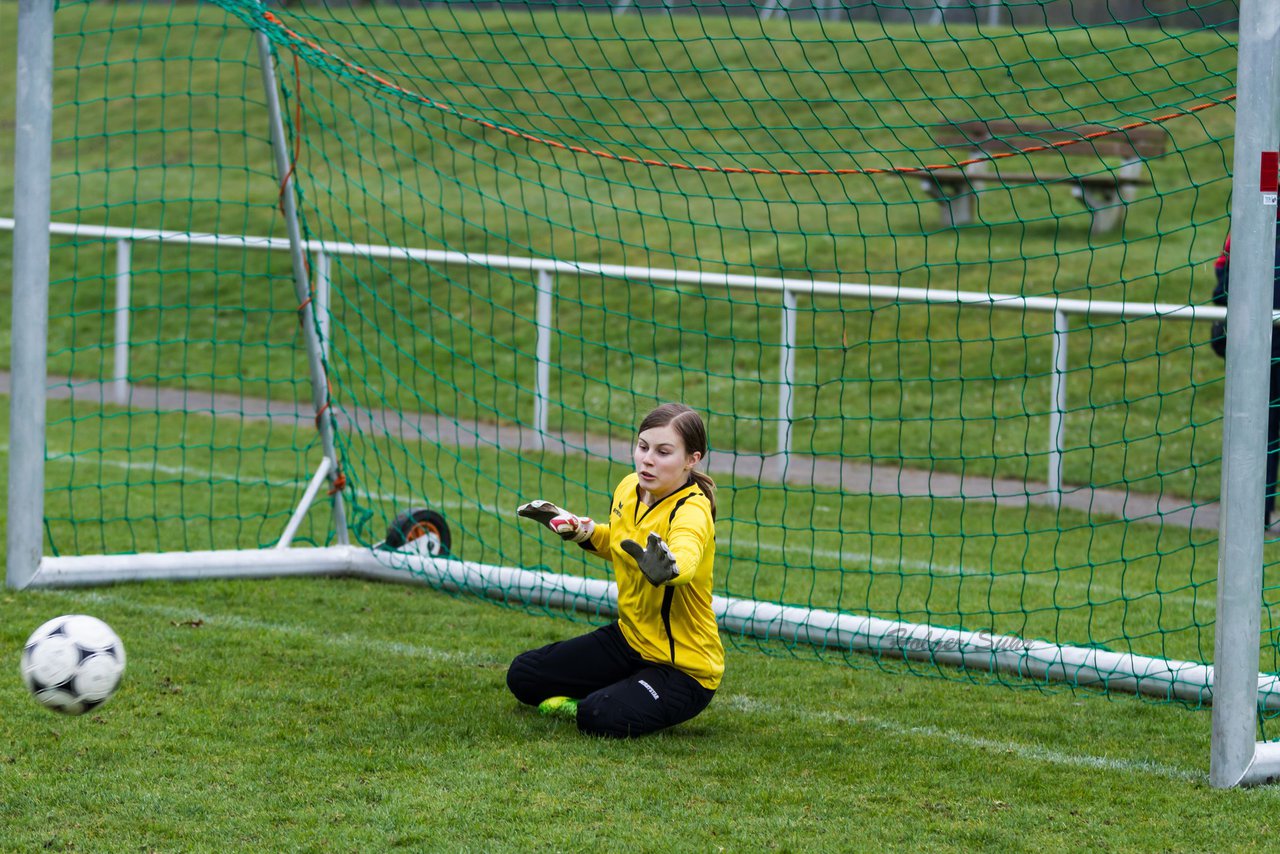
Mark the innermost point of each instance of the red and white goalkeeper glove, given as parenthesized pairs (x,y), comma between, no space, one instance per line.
(570,527)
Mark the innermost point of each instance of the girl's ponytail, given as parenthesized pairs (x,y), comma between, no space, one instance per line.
(708,487)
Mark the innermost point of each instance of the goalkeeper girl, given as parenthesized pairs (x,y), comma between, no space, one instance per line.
(661,662)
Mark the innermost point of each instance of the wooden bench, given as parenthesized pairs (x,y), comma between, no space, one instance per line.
(1104,193)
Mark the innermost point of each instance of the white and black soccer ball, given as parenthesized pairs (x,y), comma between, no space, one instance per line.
(73,663)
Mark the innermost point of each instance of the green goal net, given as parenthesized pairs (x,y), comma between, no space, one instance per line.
(938,279)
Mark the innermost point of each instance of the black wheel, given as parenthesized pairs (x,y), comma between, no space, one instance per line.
(417,524)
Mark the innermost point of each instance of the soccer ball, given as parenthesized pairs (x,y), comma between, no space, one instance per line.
(73,663)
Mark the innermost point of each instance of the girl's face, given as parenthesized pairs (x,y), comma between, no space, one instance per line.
(662,462)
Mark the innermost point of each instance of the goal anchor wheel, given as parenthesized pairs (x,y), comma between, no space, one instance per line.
(420,524)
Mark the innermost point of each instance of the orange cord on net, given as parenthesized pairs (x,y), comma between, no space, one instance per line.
(426,101)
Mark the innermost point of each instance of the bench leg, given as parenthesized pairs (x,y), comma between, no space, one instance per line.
(957,202)
(1106,205)
(957,210)
(1107,219)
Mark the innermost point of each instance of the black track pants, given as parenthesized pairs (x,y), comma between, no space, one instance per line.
(620,694)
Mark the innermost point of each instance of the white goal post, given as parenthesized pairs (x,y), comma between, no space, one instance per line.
(1236,756)
(1233,683)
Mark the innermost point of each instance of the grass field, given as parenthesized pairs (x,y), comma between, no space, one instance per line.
(345,715)
(328,714)
(342,715)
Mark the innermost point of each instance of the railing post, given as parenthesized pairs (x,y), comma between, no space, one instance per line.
(786,379)
(994,8)
(1058,403)
(542,379)
(124,299)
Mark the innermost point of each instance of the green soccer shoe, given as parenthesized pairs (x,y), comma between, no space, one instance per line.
(565,707)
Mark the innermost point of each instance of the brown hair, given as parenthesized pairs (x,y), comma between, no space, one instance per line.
(689,427)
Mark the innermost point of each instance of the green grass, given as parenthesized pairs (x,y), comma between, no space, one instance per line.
(338,714)
(344,715)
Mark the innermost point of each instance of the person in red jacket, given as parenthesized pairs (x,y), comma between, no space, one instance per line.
(1218,340)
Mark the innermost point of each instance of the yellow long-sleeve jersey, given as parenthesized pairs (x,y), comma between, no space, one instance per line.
(672,624)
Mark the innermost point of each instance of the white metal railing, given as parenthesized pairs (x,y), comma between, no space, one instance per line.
(544,270)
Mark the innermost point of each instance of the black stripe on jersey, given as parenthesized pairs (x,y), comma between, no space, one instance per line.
(668,595)
(647,507)
(678,504)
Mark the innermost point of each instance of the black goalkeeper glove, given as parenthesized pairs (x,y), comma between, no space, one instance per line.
(655,560)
